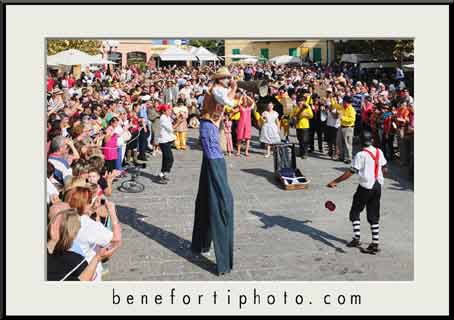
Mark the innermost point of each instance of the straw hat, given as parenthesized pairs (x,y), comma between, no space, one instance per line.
(222,72)
(57,91)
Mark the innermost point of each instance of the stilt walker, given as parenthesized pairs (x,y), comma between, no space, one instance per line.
(369,164)
(213,221)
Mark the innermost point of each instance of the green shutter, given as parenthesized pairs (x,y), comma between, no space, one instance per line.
(264,53)
(235,51)
(292,52)
(317,54)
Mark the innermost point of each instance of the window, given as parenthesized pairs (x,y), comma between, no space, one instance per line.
(136,57)
(317,54)
(264,53)
(292,52)
(235,51)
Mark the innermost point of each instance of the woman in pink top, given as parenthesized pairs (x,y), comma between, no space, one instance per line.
(111,145)
(243,131)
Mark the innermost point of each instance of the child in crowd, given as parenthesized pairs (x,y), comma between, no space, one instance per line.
(228,133)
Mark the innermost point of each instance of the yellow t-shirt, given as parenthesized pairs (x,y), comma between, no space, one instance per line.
(348,116)
(302,122)
(236,115)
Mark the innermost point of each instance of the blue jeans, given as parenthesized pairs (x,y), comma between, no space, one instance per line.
(118,161)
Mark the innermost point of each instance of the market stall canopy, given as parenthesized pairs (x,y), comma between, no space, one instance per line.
(204,54)
(73,57)
(97,59)
(177,54)
(378,65)
(354,57)
(285,59)
(249,60)
(69,57)
(240,56)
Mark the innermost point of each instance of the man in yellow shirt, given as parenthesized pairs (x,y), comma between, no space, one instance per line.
(347,121)
(302,113)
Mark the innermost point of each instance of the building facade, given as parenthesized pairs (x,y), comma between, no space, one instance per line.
(134,51)
(317,50)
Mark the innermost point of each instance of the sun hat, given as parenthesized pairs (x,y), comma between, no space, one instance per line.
(222,72)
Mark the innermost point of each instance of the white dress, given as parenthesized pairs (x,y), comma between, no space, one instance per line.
(270,132)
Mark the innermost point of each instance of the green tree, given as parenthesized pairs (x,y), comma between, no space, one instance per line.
(215,46)
(91,47)
(381,49)
(402,49)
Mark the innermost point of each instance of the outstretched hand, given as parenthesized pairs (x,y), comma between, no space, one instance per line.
(332,184)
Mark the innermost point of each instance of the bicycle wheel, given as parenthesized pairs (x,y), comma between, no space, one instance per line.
(131,186)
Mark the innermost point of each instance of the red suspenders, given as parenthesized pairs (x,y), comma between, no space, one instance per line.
(377,155)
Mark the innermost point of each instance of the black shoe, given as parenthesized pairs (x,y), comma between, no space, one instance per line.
(347,161)
(166,177)
(223,273)
(162,180)
(372,248)
(354,243)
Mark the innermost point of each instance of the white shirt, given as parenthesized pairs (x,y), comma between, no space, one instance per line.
(331,121)
(51,191)
(220,95)
(165,129)
(364,165)
(91,235)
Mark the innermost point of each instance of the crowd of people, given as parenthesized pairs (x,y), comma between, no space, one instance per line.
(104,120)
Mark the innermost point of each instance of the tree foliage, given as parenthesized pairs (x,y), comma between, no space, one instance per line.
(215,46)
(91,47)
(382,49)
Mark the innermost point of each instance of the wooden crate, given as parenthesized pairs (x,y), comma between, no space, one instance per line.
(293,186)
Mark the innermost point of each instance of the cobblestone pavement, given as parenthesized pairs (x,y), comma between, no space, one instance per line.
(279,235)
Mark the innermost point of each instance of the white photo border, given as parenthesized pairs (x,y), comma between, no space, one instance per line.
(27,27)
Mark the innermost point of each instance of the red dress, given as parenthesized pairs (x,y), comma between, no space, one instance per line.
(243,130)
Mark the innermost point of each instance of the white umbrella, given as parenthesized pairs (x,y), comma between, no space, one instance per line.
(176,54)
(204,54)
(249,60)
(240,56)
(285,59)
(69,57)
(354,57)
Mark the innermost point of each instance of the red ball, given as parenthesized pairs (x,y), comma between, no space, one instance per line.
(330,205)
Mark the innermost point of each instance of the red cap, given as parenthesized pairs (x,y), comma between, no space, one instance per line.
(163,107)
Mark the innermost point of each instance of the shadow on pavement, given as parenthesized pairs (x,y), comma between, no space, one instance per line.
(193,143)
(265,174)
(299,226)
(167,239)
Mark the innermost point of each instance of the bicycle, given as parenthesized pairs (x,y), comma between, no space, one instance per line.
(132,185)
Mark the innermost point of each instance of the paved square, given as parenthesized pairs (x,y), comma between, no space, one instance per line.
(279,235)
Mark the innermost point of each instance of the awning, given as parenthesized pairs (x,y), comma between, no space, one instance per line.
(285,59)
(177,54)
(354,57)
(73,57)
(204,54)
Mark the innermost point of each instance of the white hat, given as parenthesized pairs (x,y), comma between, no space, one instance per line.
(146,98)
